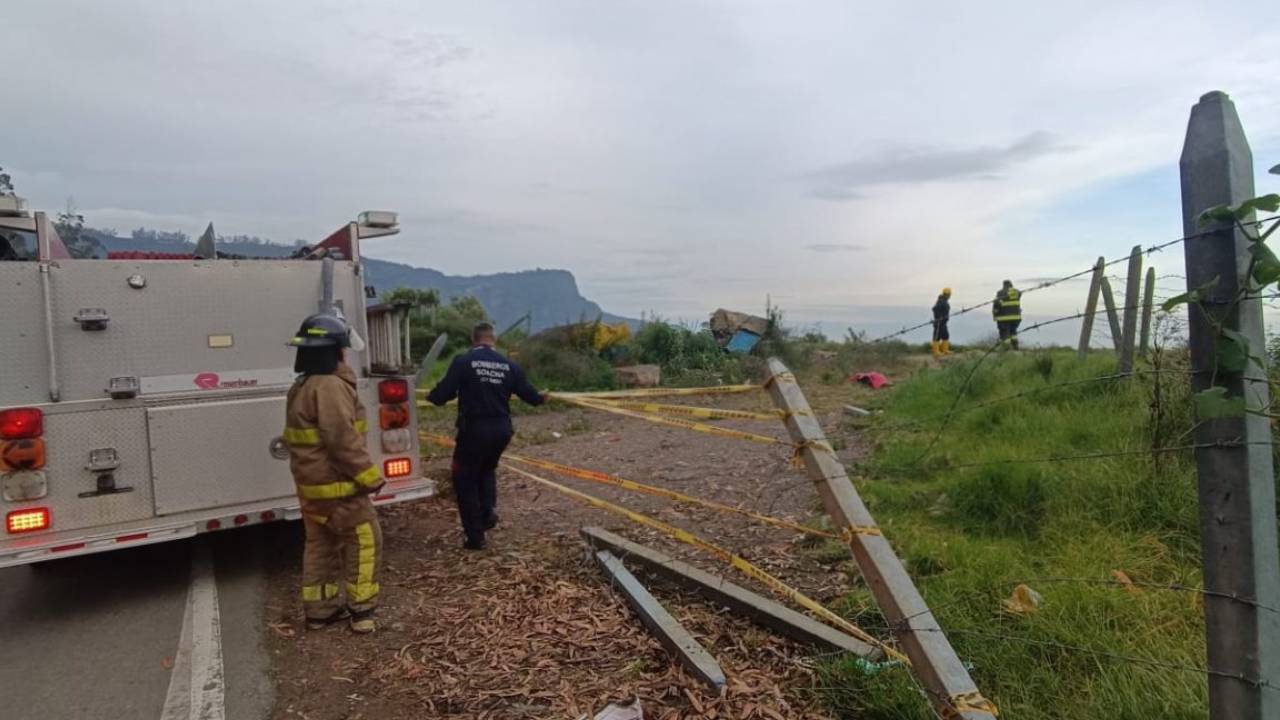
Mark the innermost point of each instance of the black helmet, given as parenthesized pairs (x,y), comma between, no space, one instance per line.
(322,330)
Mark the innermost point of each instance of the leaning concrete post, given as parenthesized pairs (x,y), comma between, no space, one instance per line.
(1132,287)
(1091,306)
(1109,301)
(935,663)
(1148,296)
(1233,454)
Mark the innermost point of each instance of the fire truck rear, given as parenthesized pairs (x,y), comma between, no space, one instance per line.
(142,396)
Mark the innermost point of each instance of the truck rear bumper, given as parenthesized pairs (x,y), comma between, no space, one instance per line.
(48,546)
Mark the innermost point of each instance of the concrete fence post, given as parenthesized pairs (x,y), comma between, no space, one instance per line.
(1091,307)
(1132,287)
(1233,454)
(1113,319)
(1148,297)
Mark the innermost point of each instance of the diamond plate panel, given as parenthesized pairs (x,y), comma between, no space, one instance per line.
(214,454)
(23,353)
(69,436)
(165,327)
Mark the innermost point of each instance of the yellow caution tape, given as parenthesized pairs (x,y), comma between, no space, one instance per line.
(607,479)
(970,702)
(664,391)
(740,563)
(787,376)
(676,422)
(702,413)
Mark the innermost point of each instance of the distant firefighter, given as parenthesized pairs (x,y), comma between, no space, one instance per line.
(941,344)
(1007,311)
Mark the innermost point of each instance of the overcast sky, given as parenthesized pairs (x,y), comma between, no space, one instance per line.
(676,156)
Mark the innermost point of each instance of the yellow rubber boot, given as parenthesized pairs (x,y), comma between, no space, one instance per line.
(935,348)
(946,347)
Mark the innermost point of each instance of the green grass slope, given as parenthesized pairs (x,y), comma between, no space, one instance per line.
(970,526)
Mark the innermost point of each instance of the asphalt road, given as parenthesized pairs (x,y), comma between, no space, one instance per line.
(97,636)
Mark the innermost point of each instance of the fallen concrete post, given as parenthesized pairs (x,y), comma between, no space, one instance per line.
(753,606)
(667,629)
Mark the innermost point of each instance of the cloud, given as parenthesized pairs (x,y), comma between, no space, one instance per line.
(834,247)
(905,164)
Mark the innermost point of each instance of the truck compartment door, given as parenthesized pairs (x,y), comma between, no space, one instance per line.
(214,454)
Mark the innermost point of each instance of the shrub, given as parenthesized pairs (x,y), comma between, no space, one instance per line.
(550,365)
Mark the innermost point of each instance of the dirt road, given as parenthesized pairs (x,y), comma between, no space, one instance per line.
(528,628)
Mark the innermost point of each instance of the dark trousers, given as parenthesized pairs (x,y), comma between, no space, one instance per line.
(940,331)
(1009,331)
(475,463)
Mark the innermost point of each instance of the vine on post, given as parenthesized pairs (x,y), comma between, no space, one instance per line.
(1232,351)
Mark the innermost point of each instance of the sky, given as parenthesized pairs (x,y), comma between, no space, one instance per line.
(843,159)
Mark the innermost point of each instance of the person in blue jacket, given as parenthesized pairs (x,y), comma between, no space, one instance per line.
(483,380)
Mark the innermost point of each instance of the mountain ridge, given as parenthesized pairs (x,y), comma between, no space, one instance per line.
(550,296)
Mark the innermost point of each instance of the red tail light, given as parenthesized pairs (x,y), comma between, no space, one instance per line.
(20,423)
(397,467)
(29,520)
(393,391)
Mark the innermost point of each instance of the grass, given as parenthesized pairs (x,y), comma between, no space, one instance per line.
(969,535)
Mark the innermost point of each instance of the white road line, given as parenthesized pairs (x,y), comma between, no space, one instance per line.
(197,684)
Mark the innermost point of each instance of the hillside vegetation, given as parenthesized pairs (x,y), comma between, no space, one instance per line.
(971,522)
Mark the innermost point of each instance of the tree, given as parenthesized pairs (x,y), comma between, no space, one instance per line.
(6,183)
(419,298)
(70,227)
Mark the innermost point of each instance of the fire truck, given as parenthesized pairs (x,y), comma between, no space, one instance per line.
(142,395)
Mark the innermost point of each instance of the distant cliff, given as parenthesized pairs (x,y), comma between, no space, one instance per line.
(552,296)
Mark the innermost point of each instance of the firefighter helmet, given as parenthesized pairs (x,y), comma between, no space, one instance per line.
(322,330)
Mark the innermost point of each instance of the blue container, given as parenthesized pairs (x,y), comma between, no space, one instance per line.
(742,341)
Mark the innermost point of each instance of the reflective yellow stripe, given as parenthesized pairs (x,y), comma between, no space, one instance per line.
(364,587)
(369,476)
(301,436)
(330,591)
(311,593)
(361,425)
(328,491)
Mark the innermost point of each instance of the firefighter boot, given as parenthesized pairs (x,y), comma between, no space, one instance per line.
(362,623)
(934,348)
(946,347)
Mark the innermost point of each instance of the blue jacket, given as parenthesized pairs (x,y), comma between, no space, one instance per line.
(483,380)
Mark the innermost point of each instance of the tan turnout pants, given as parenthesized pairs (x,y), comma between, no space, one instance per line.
(344,547)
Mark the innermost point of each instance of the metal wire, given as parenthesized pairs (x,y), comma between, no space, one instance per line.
(1072,276)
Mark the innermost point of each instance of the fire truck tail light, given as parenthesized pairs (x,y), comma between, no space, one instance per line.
(391,417)
(22,454)
(396,441)
(397,467)
(29,520)
(393,391)
(21,423)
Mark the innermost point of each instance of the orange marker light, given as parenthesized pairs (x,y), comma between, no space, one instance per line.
(397,467)
(391,417)
(30,520)
(22,454)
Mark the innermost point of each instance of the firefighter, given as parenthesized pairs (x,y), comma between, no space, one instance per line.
(483,380)
(941,344)
(1007,311)
(325,427)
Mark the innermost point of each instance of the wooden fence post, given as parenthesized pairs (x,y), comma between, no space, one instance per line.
(1109,301)
(1148,297)
(1132,288)
(933,660)
(1233,454)
(1091,306)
